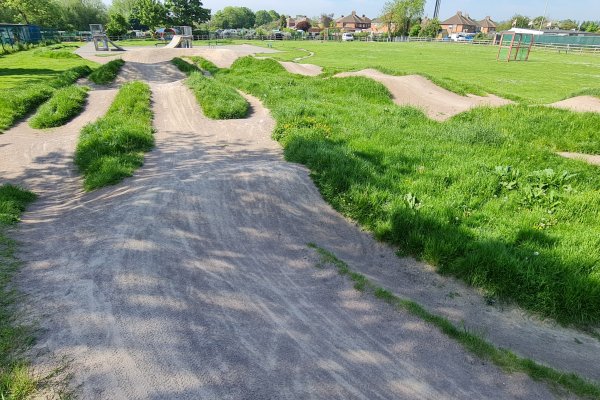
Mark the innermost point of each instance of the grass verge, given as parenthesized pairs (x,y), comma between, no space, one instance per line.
(107,73)
(184,66)
(503,358)
(482,196)
(113,147)
(15,379)
(217,99)
(205,65)
(65,104)
(16,103)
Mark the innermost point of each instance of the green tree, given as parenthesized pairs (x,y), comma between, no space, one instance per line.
(123,7)
(568,24)
(263,18)
(282,21)
(274,15)
(520,21)
(403,13)
(117,25)
(39,12)
(151,13)
(234,18)
(590,26)
(79,14)
(187,12)
(431,29)
(326,20)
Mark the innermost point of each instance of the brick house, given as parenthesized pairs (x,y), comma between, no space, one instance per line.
(353,23)
(292,22)
(487,25)
(460,23)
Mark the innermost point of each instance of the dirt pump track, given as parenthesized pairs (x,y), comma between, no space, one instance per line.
(192,279)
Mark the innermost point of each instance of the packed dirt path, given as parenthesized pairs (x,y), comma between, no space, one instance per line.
(302,69)
(579,104)
(192,279)
(438,103)
(589,158)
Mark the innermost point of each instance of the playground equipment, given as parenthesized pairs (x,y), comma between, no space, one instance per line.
(101,40)
(183,39)
(515,46)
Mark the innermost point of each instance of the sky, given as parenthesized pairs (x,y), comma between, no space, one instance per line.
(498,9)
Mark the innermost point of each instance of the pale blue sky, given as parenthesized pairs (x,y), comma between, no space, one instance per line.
(498,9)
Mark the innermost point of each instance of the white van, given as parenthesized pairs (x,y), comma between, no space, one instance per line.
(347,37)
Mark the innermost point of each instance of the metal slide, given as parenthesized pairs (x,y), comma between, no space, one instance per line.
(175,42)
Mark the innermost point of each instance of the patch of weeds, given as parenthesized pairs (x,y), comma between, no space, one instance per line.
(217,99)
(113,147)
(107,73)
(64,105)
(503,358)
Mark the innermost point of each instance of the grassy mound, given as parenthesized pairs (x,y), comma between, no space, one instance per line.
(18,102)
(113,147)
(184,66)
(217,99)
(482,196)
(205,65)
(15,380)
(65,104)
(107,73)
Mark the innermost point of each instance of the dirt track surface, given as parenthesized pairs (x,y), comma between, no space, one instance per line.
(589,158)
(580,104)
(302,69)
(193,279)
(438,103)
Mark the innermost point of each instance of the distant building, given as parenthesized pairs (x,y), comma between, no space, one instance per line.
(460,23)
(353,22)
(292,22)
(487,25)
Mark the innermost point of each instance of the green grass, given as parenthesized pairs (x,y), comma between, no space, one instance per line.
(482,196)
(30,67)
(545,78)
(184,66)
(205,65)
(15,379)
(16,103)
(503,358)
(65,104)
(586,92)
(217,99)
(113,147)
(107,73)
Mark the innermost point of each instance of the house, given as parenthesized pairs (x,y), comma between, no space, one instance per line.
(292,22)
(353,23)
(487,25)
(459,23)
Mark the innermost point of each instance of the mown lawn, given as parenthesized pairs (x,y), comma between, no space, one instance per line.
(545,78)
(35,66)
(482,196)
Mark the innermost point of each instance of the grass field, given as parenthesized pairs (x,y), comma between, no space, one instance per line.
(479,196)
(545,78)
(34,66)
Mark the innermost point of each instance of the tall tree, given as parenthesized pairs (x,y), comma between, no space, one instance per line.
(79,14)
(117,24)
(151,13)
(263,18)
(31,11)
(325,20)
(187,12)
(274,15)
(431,29)
(123,7)
(234,18)
(403,13)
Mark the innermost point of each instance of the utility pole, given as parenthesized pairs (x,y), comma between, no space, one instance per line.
(436,13)
(544,17)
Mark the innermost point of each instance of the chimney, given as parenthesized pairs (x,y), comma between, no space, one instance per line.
(364,15)
(353,12)
(459,13)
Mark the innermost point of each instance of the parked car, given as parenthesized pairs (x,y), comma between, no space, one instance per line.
(347,37)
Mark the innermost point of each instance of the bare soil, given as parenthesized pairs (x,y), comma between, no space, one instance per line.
(302,69)
(438,103)
(192,279)
(589,158)
(580,104)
